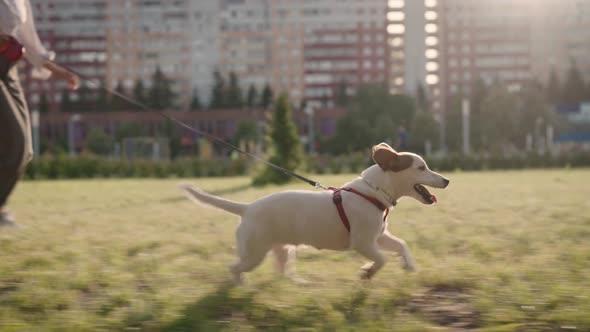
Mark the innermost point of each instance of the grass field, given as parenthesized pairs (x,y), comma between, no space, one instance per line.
(502,251)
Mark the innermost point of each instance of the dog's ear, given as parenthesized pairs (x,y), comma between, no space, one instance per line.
(389,159)
(383,145)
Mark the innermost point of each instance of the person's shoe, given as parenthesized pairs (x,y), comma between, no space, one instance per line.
(6,220)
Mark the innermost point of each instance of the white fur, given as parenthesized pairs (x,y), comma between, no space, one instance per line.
(282,220)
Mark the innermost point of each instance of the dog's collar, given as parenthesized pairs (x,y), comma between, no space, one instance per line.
(376,188)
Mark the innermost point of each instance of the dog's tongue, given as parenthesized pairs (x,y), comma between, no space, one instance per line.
(433,198)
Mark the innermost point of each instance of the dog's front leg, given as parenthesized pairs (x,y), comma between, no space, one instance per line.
(372,252)
(391,243)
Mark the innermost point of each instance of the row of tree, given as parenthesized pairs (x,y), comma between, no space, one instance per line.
(500,119)
(94,96)
(225,93)
(572,90)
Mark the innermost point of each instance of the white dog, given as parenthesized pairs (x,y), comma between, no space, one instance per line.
(283,220)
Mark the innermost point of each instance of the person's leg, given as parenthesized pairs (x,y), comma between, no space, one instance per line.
(15,138)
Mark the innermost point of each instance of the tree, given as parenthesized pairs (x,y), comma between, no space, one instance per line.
(99,142)
(478,93)
(160,95)
(286,149)
(374,115)
(102,99)
(43,103)
(267,97)
(196,101)
(66,101)
(422,102)
(500,119)
(453,123)
(128,130)
(340,95)
(534,107)
(218,96)
(118,103)
(424,128)
(139,92)
(170,130)
(86,101)
(247,131)
(553,88)
(574,87)
(252,96)
(234,92)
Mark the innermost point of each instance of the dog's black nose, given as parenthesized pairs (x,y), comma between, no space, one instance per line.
(446,181)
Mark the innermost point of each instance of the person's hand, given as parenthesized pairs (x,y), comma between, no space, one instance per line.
(61,73)
(72,79)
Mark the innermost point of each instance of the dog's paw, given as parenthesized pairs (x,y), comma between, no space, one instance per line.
(297,280)
(409,268)
(367,271)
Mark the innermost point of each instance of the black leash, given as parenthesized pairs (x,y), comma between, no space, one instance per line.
(315,184)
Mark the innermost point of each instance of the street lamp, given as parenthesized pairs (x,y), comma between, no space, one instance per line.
(309,110)
(466,111)
(72,120)
(35,132)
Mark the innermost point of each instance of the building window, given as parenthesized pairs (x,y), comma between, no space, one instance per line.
(396,29)
(396,3)
(431,79)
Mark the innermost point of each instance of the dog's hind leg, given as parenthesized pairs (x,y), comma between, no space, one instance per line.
(392,243)
(371,251)
(248,262)
(251,252)
(283,258)
(285,262)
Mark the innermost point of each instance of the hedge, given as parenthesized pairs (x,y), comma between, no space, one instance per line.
(46,167)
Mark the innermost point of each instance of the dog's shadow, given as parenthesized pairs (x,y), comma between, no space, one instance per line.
(227,308)
(224,307)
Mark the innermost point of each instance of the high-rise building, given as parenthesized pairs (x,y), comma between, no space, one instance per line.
(144,35)
(246,41)
(560,35)
(305,48)
(487,40)
(415,41)
(320,46)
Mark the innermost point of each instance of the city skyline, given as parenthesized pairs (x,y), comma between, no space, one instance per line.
(309,48)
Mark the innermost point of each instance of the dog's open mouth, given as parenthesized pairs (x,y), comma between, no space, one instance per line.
(426,195)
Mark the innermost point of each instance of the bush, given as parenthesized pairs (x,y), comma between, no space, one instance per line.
(63,167)
(95,167)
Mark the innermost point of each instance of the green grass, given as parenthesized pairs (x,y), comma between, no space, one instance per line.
(502,251)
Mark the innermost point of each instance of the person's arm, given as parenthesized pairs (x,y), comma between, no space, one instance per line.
(61,73)
(38,56)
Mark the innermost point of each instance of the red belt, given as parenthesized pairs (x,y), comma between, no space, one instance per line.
(10,48)
(337,199)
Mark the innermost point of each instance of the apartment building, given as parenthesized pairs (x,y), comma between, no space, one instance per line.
(560,36)
(414,30)
(305,48)
(343,56)
(143,35)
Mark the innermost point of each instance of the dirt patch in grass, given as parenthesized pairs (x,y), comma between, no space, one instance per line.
(446,306)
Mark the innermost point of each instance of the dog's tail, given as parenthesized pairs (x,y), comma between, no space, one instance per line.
(197,195)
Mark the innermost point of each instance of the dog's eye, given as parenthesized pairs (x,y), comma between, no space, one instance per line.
(422,168)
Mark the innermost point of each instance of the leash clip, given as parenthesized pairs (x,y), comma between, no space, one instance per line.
(320,186)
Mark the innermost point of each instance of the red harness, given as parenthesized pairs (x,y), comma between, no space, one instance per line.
(337,199)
